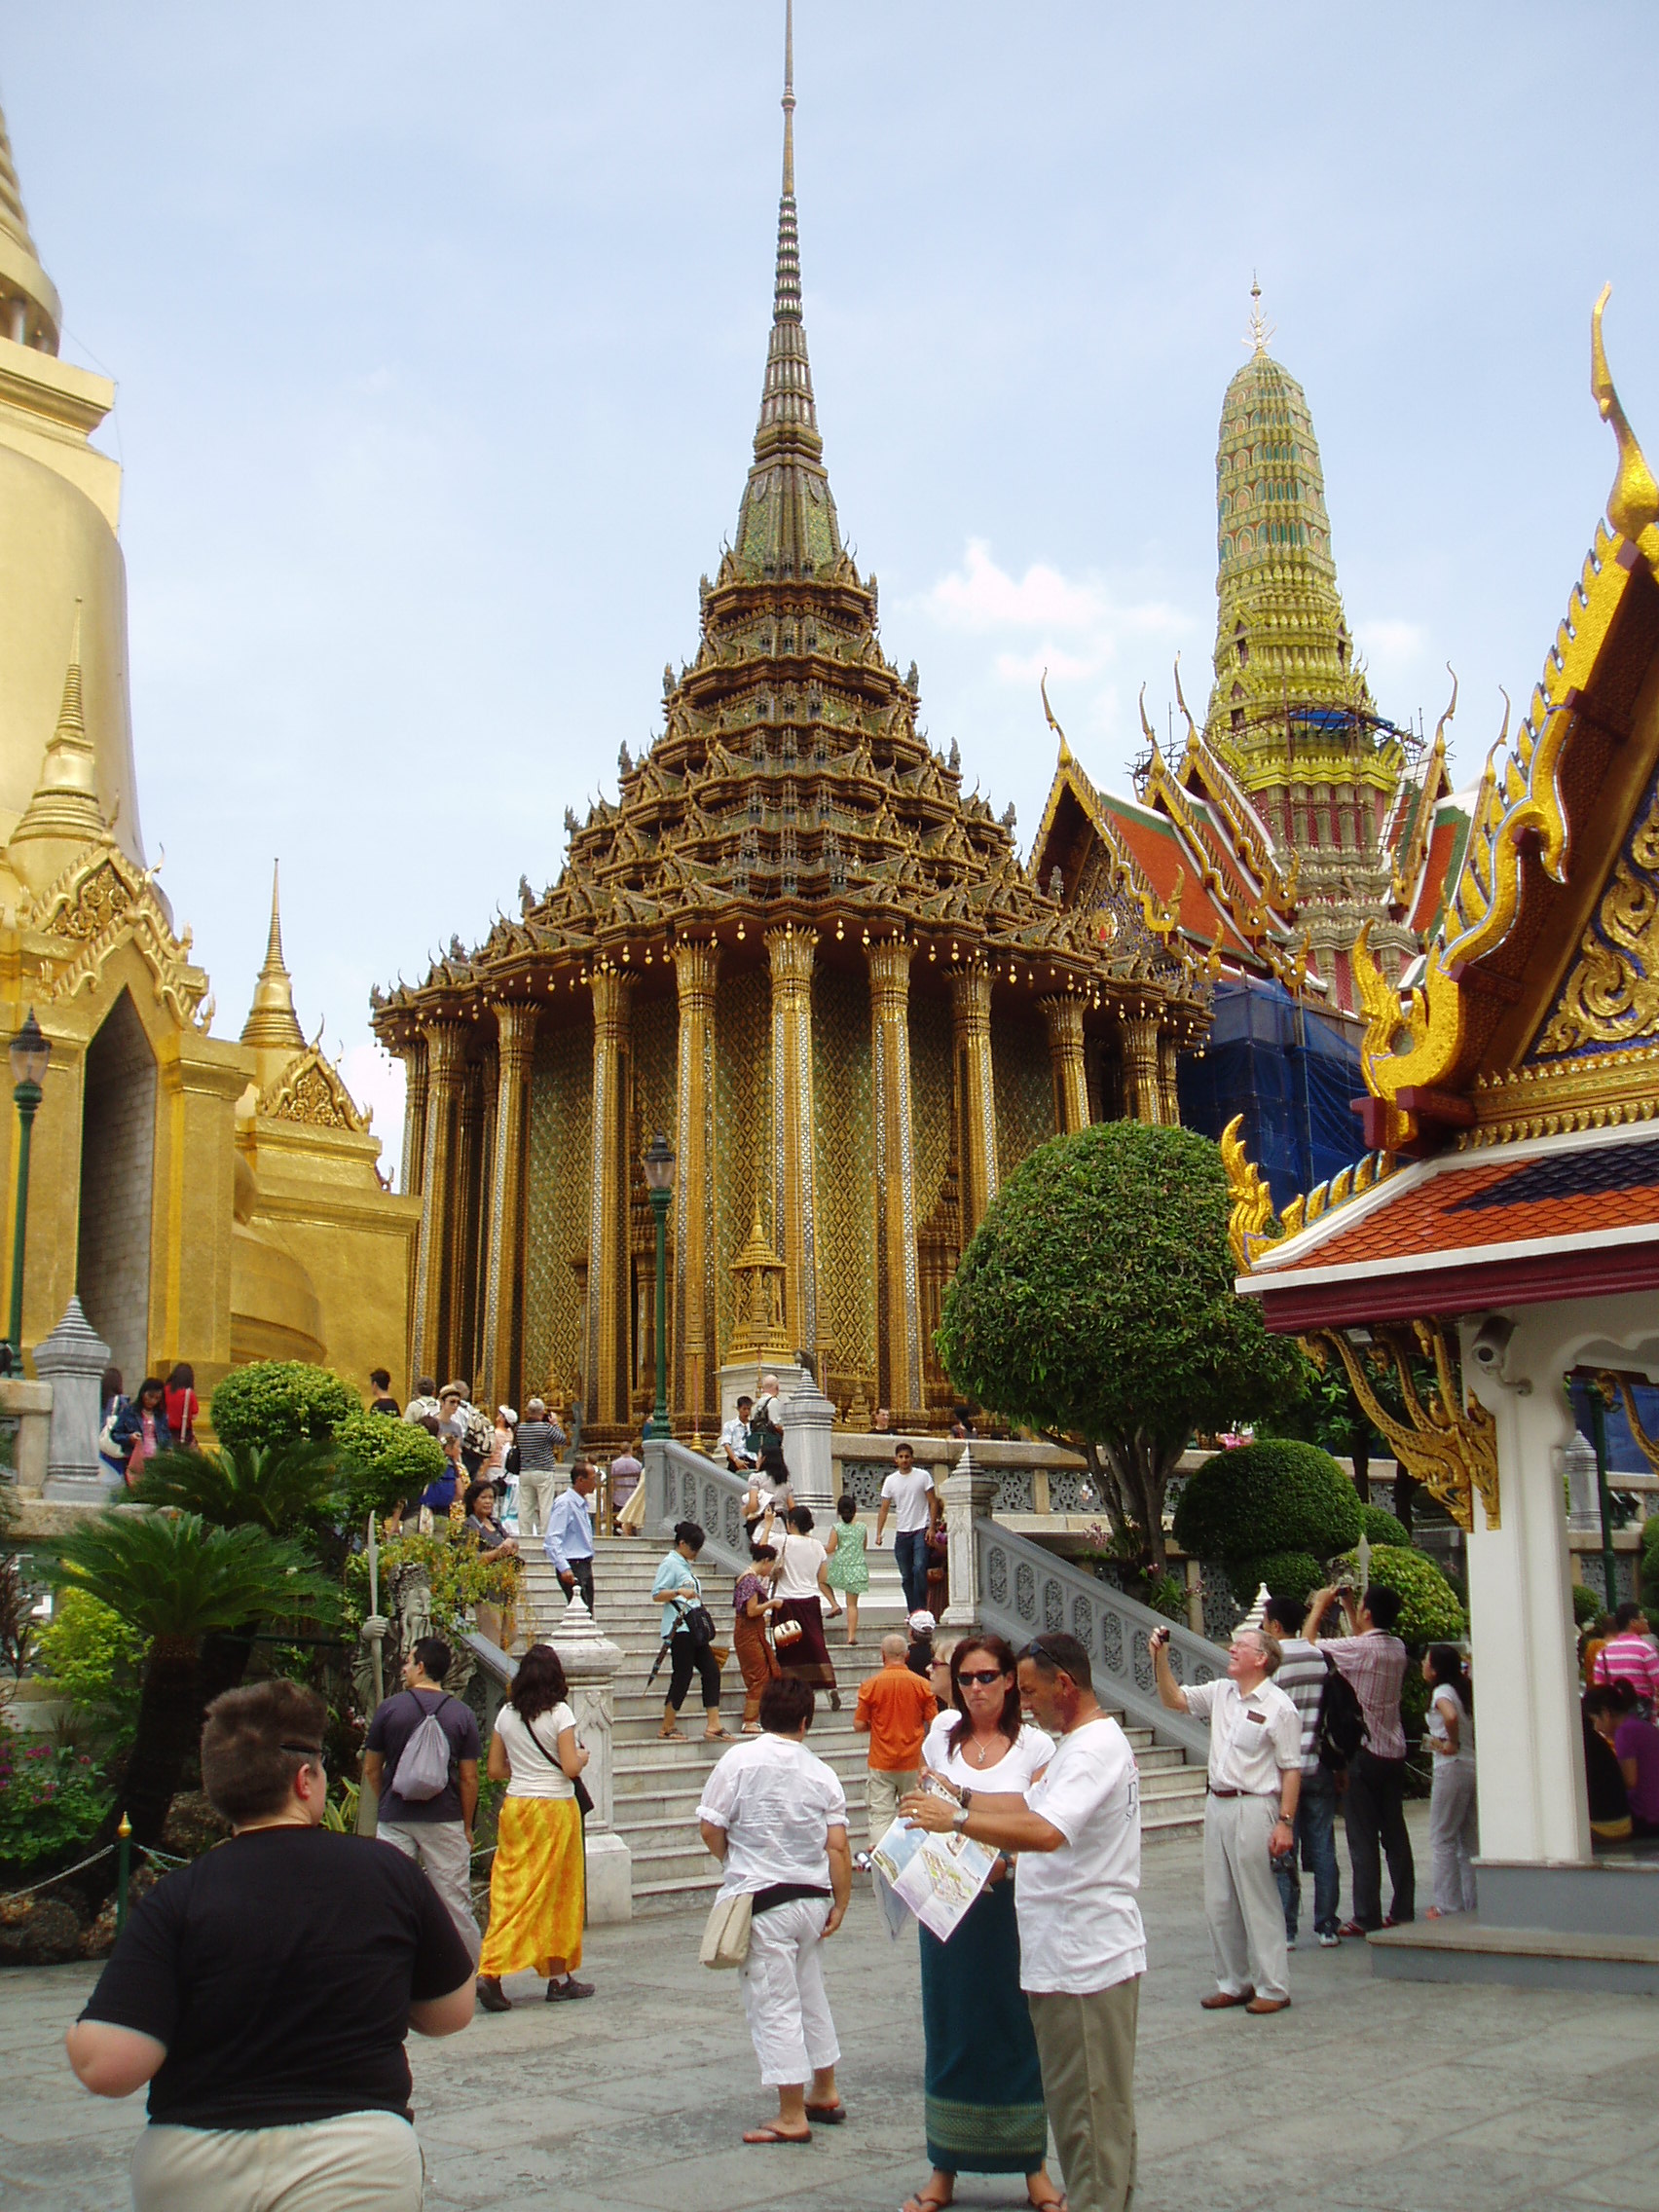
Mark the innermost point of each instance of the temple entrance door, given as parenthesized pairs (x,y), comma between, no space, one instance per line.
(118,1155)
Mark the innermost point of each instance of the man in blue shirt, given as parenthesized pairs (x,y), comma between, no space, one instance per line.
(568,1543)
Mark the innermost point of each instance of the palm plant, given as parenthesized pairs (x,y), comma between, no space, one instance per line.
(177,1580)
(278,1487)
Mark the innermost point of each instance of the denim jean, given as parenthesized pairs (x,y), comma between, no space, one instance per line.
(1315,1848)
(911,1549)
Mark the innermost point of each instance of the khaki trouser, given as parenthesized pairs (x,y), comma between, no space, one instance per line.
(1242,1898)
(1085,2047)
(440,1850)
(883,1795)
(362,2161)
(538,1488)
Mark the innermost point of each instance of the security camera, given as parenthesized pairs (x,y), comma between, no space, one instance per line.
(1491,1342)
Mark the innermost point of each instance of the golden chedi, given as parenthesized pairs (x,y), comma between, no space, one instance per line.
(801,948)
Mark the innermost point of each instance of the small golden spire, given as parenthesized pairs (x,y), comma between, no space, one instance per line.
(1259,329)
(788,101)
(65,802)
(271,1023)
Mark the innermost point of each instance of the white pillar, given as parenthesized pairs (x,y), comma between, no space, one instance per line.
(969,1495)
(1528,1749)
(590,1662)
(72,1359)
(808,1417)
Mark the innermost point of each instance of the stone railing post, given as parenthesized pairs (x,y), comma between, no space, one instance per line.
(808,1417)
(72,1359)
(970,1493)
(590,1662)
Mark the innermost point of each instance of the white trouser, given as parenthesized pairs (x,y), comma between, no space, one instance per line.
(784,1998)
(362,2161)
(439,1849)
(1241,1900)
(1453,1835)
(538,1488)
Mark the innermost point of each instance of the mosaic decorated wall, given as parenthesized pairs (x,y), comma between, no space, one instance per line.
(561,1110)
(743,1119)
(931,1094)
(1024,1085)
(845,1168)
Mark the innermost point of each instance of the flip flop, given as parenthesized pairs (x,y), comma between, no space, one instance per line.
(926,2201)
(769,2135)
(828,2115)
(671,1735)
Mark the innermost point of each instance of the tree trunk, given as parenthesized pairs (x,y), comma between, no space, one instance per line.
(1103,1477)
(171,1706)
(225,1655)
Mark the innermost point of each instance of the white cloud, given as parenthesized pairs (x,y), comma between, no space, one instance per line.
(1091,617)
(374,1080)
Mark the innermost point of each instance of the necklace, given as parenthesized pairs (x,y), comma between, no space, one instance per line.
(979,1752)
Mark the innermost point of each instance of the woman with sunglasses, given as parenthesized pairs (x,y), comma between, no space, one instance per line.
(984,2087)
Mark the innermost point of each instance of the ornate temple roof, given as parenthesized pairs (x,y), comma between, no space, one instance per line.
(790,781)
(23,284)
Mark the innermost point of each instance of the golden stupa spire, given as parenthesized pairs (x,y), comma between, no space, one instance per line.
(65,808)
(30,311)
(272,1024)
(789,99)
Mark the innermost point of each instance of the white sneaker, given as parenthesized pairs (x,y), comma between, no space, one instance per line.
(1329,1939)
(1290,1942)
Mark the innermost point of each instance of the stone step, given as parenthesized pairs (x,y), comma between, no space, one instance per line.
(641,1811)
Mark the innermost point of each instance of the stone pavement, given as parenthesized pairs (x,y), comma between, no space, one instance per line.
(1387,2096)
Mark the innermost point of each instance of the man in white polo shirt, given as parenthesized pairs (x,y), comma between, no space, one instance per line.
(1081,1946)
(908,1491)
(1255,1780)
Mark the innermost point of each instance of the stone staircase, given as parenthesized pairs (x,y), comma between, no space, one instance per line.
(657,1786)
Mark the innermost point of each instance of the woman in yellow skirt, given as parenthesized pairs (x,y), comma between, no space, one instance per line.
(537,1882)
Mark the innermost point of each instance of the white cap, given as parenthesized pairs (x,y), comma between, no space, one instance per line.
(923,1622)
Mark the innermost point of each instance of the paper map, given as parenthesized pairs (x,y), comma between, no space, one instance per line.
(936,1877)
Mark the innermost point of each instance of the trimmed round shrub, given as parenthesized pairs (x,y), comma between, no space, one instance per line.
(1278,1495)
(1380,1527)
(1588,1604)
(1287,1574)
(383,1461)
(281,1401)
(1429,1611)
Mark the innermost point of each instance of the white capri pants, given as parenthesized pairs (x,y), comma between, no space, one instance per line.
(783,1998)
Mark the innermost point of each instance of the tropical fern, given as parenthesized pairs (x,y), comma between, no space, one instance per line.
(171,1574)
(273,1487)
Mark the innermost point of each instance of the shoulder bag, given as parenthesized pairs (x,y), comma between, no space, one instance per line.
(579,1788)
(725,1932)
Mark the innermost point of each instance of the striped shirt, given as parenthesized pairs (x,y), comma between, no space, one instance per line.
(1375,1663)
(1301,1677)
(1629,1658)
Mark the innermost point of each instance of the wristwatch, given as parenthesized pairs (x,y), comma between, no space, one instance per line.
(965,1797)
(959,1819)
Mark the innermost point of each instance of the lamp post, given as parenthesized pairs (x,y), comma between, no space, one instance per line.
(659,1180)
(31,1052)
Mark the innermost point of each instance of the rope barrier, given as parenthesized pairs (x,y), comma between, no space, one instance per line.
(10,1896)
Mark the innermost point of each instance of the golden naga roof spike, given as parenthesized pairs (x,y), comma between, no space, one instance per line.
(1452,709)
(1186,713)
(1054,724)
(1633,503)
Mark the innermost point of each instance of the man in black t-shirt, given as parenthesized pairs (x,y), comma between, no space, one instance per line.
(264,1991)
(436,1833)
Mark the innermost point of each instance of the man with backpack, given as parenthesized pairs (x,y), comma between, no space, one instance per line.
(1372,1659)
(427,1742)
(1332,1731)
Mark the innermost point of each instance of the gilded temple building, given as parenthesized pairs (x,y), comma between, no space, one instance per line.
(1298,814)
(801,948)
(207,1198)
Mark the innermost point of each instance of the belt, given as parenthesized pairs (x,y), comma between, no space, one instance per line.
(783,1892)
(1263,1793)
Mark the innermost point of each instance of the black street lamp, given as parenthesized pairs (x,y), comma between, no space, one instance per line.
(31,1052)
(659,1181)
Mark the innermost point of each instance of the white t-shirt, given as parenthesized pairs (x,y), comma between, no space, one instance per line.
(910,1494)
(1255,1735)
(536,1774)
(1079,1925)
(1030,1751)
(798,1560)
(777,1804)
(1443,1700)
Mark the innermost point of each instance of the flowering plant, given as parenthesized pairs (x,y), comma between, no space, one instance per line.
(52,1799)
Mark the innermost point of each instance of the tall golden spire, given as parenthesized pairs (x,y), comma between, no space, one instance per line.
(272,1024)
(65,812)
(30,311)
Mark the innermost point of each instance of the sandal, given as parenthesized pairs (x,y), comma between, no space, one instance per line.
(828,2115)
(925,2200)
(773,2135)
(671,1735)
(716,1735)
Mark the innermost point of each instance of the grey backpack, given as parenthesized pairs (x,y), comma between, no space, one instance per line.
(423,1770)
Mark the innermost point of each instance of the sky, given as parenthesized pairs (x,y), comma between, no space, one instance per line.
(438,334)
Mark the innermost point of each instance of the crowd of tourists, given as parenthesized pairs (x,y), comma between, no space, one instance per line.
(1620,1709)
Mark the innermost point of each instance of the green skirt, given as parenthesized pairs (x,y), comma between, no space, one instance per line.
(984,2086)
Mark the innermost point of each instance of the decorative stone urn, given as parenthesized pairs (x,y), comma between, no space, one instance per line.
(72,1359)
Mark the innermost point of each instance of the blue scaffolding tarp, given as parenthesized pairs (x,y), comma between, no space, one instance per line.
(1292,1073)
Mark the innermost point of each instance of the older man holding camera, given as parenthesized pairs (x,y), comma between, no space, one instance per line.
(1255,1780)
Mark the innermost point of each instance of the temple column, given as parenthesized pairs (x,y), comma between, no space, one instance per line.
(444,1044)
(971,1021)
(461,1334)
(607,1366)
(899,1353)
(793,954)
(694,968)
(1142,1093)
(1063,1016)
(1168,1054)
(503,1288)
(413,1179)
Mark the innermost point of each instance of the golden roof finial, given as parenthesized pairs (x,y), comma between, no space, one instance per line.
(1633,503)
(30,311)
(789,99)
(272,1023)
(65,801)
(1259,329)
(1065,748)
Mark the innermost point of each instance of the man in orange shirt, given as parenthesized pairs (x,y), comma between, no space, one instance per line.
(895,1710)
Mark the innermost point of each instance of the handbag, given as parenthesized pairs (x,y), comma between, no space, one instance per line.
(785,1632)
(726,1932)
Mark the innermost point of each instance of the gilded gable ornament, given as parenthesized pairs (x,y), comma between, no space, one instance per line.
(1611,995)
(310,1091)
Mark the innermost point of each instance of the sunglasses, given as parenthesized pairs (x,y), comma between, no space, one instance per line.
(981,1675)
